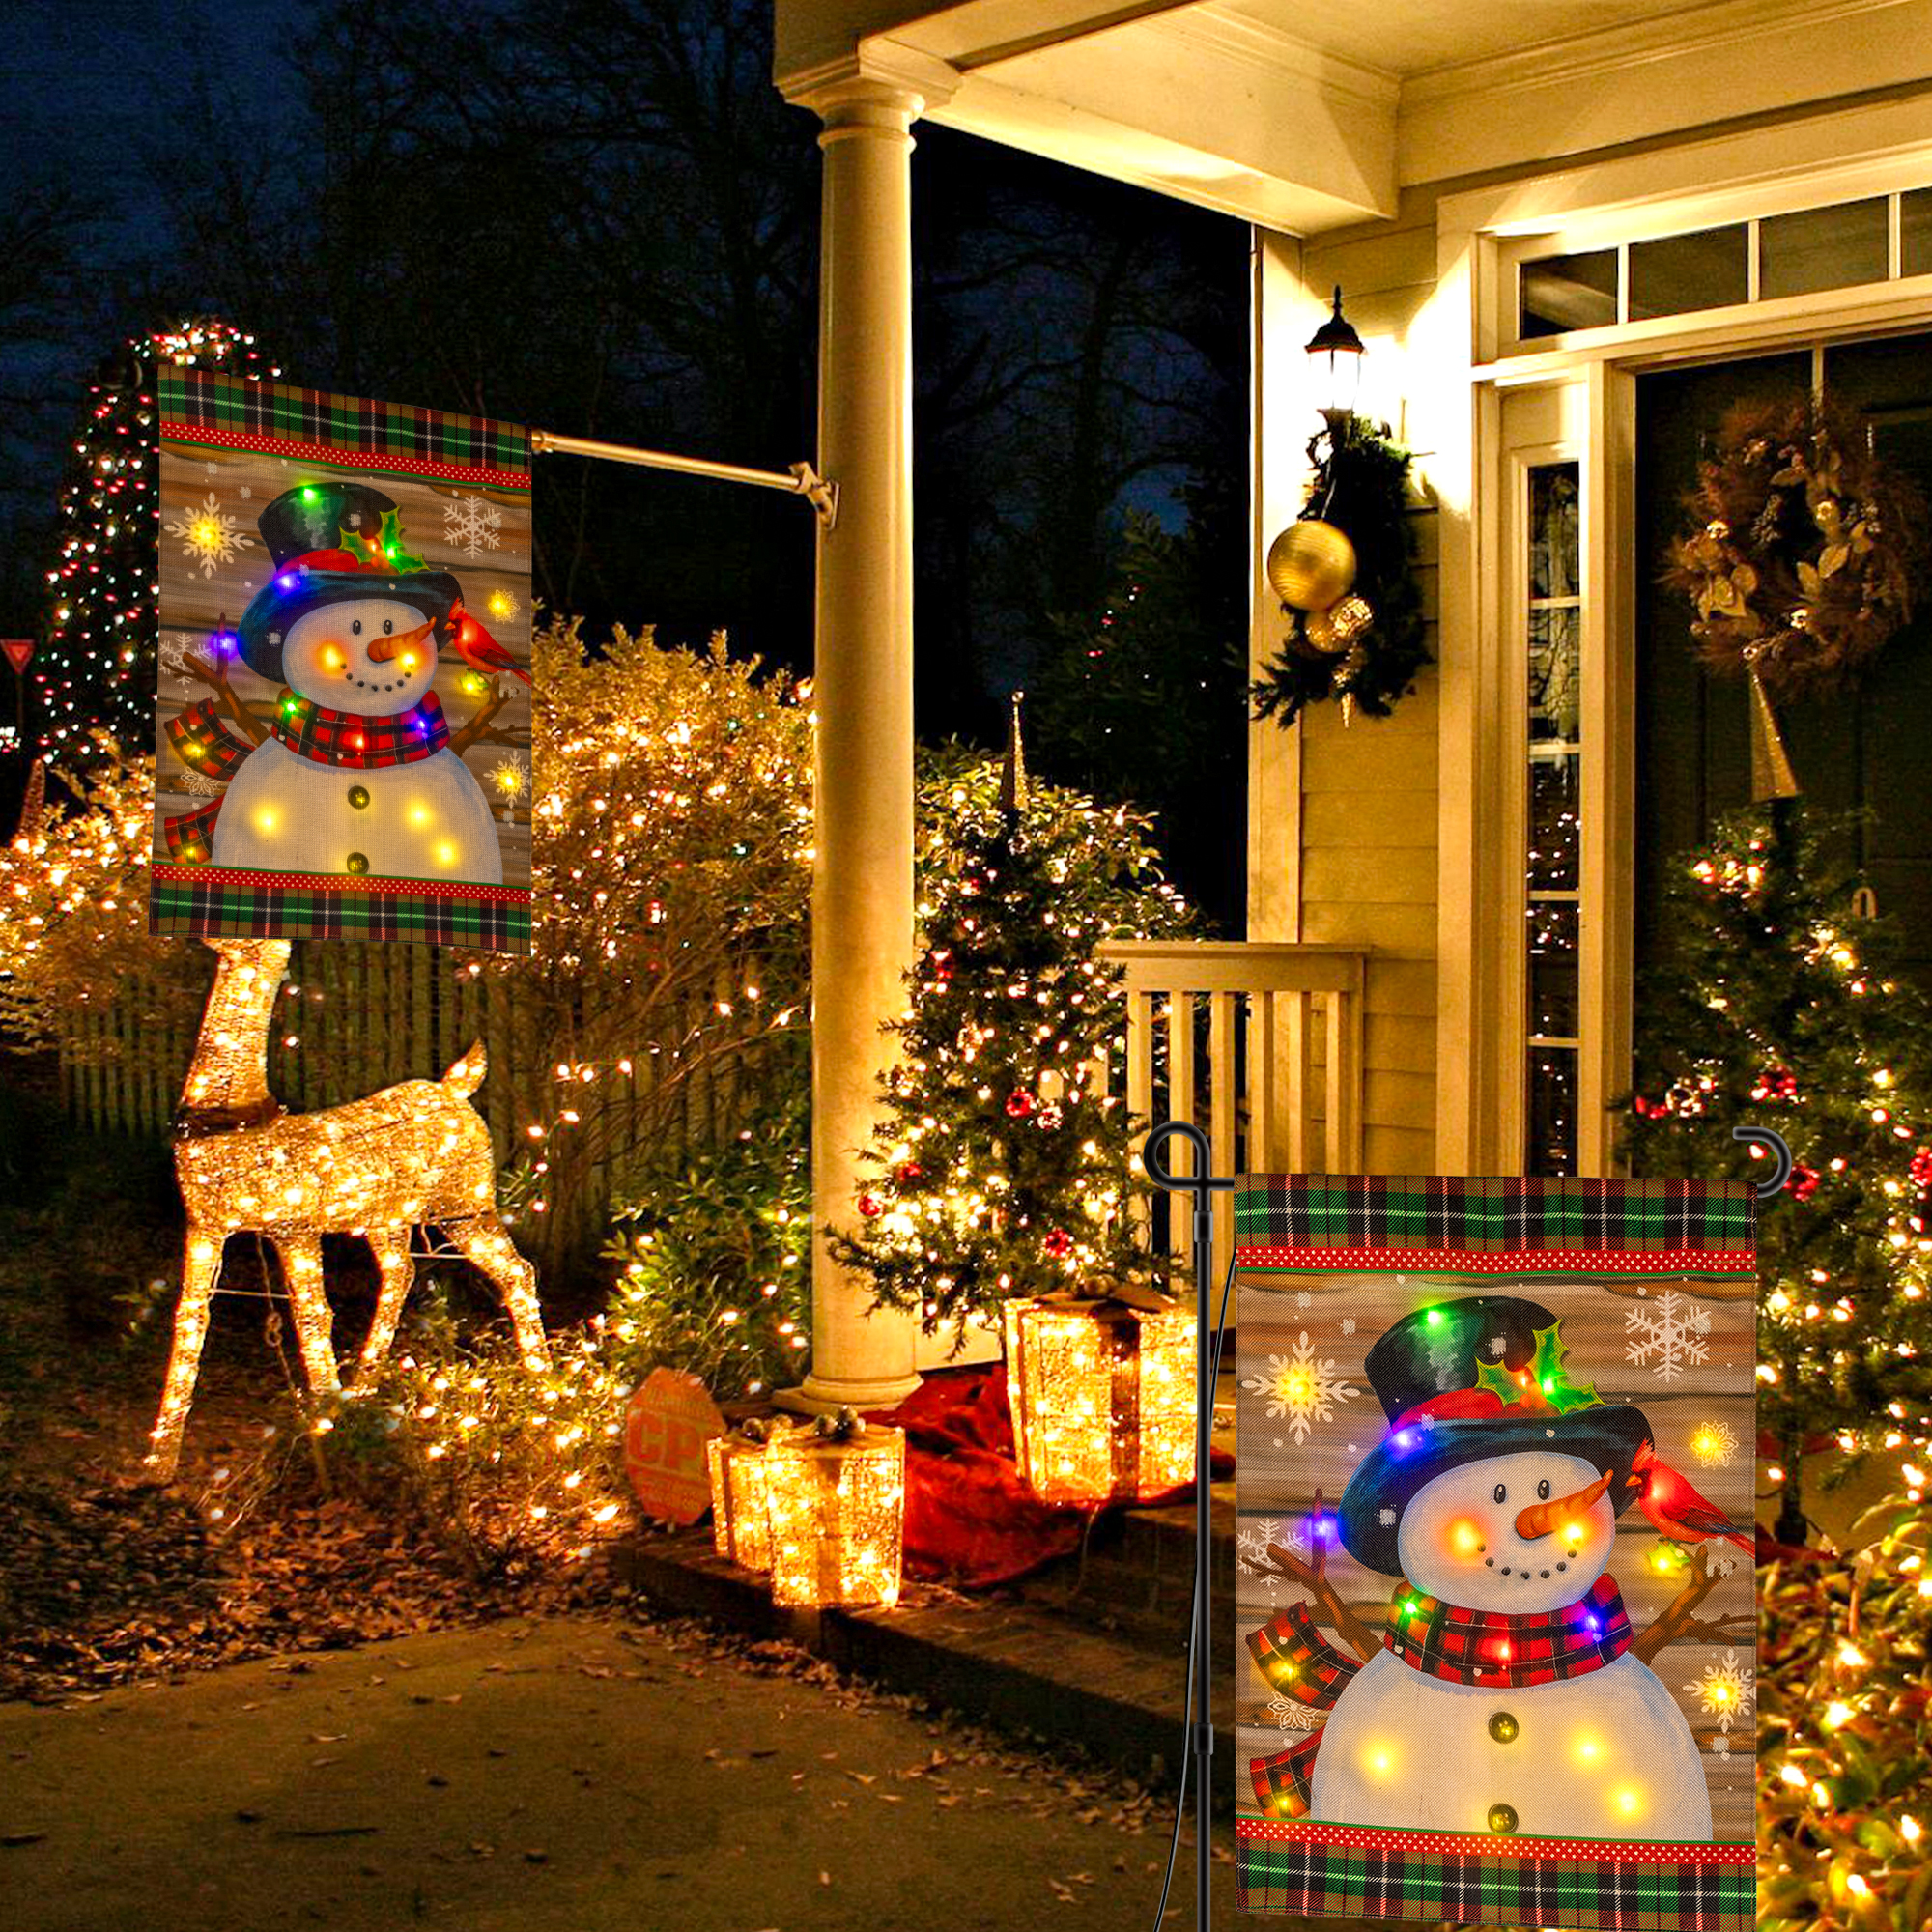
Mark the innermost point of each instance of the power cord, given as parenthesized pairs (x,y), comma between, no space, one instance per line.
(1193,1638)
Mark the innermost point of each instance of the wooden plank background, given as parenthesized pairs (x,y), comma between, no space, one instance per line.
(192,606)
(1342,1315)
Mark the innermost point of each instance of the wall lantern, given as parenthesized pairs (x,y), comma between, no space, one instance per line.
(1335,354)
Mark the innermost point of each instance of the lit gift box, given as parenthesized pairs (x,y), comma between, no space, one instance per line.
(1102,1394)
(835,1499)
(738,1522)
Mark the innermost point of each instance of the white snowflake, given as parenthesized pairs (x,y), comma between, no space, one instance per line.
(1290,1716)
(176,647)
(1670,1329)
(1251,1545)
(511,776)
(1348,1325)
(1301,1389)
(1725,1689)
(1304,1299)
(470,524)
(1496,1344)
(1386,1518)
(209,535)
(200,784)
(1714,1444)
(1721,1745)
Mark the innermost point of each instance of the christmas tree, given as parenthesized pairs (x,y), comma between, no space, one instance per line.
(1775,1011)
(96,671)
(1001,1168)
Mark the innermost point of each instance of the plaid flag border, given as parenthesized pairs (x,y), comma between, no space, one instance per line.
(203,408)
(1299,1223)
(1316,1870)
(194,902)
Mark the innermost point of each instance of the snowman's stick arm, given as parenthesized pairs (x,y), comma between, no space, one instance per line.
(1679,1618)
(1310,1575)
(459,741)
(216,677)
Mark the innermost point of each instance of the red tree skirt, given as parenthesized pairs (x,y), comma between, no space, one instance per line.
(969,1518)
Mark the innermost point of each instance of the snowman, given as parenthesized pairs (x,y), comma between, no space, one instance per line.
(1505,1699)
(356,772)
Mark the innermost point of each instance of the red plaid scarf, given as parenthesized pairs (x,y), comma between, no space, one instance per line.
(207,742)
(1491,1648)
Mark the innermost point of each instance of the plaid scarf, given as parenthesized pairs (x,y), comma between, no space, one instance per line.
(207,742)
(1491,1648)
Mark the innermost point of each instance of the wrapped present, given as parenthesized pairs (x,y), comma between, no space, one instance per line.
(835,1501)
(1103,1395)
(739,1526)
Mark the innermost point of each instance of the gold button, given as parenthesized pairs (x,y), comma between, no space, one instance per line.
(1503,1727)
(1502,1819)
(357,862)
(358,796)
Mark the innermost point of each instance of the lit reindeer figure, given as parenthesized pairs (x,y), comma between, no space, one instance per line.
(411,1155)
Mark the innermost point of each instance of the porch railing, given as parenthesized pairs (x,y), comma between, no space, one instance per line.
(1259,1046)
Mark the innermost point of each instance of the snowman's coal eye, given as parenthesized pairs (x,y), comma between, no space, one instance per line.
(1543,1490)
(1500,1494)
(389,625)
(355,629)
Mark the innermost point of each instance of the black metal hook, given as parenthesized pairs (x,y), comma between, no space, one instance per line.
(1162,1177)
(1780,1149)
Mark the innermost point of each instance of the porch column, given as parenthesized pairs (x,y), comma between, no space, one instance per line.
(862,898)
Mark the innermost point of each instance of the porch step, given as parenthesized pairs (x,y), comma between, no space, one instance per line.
(1059,1673)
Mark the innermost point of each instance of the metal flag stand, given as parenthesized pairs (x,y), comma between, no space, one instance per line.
(1196,1762)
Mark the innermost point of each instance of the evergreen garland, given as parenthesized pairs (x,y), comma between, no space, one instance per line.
(1361,486)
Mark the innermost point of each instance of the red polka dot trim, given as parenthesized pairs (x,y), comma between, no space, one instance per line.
(1521,1260)
(355,883)
(211,435)
(1491,1845)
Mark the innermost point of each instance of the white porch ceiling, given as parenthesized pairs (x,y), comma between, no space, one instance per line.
(1308,117)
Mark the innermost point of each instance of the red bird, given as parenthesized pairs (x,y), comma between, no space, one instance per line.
(477,648)
(1676,1510)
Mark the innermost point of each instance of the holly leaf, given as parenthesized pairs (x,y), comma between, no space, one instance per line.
(1499,1381)
(1546,1366)
(392,544)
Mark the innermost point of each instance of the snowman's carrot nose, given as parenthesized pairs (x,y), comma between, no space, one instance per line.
(383,649)
(1539,1518)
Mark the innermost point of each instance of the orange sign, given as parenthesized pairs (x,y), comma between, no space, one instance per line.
(18,650)
(668,1422)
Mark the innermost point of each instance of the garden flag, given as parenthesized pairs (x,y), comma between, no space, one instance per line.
(344,724)
(1495,1599)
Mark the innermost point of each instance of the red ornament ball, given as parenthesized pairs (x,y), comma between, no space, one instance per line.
(1058,1243)
(1803,1182)
(1921,1169)
(909,1172)
(1020,1103)
(872,1207)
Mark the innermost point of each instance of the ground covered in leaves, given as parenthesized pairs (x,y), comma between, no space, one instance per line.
(268,1544)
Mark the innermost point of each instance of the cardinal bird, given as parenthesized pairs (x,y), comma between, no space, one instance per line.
(477,648)
(1676,1510)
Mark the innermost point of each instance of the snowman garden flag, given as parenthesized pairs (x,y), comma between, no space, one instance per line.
(344,724)
(1495,1657)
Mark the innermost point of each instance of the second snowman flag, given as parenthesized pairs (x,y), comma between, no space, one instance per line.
(1495,1593)
(344,707)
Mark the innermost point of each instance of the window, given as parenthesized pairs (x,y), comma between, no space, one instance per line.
(1552,877)
(1845,246)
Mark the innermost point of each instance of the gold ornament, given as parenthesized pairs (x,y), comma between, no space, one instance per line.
(1332,631)
(1102,1398)
(378,1167)
(1311,564)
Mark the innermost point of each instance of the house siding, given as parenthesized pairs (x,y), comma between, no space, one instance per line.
(1366,792)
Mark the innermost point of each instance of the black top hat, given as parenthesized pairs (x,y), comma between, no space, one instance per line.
(1425,1372)
(326,540)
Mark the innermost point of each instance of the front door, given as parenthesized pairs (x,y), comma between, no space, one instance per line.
(1867,748)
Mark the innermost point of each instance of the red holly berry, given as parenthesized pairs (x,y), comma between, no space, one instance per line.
(1019,1103)
(1058,1243)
